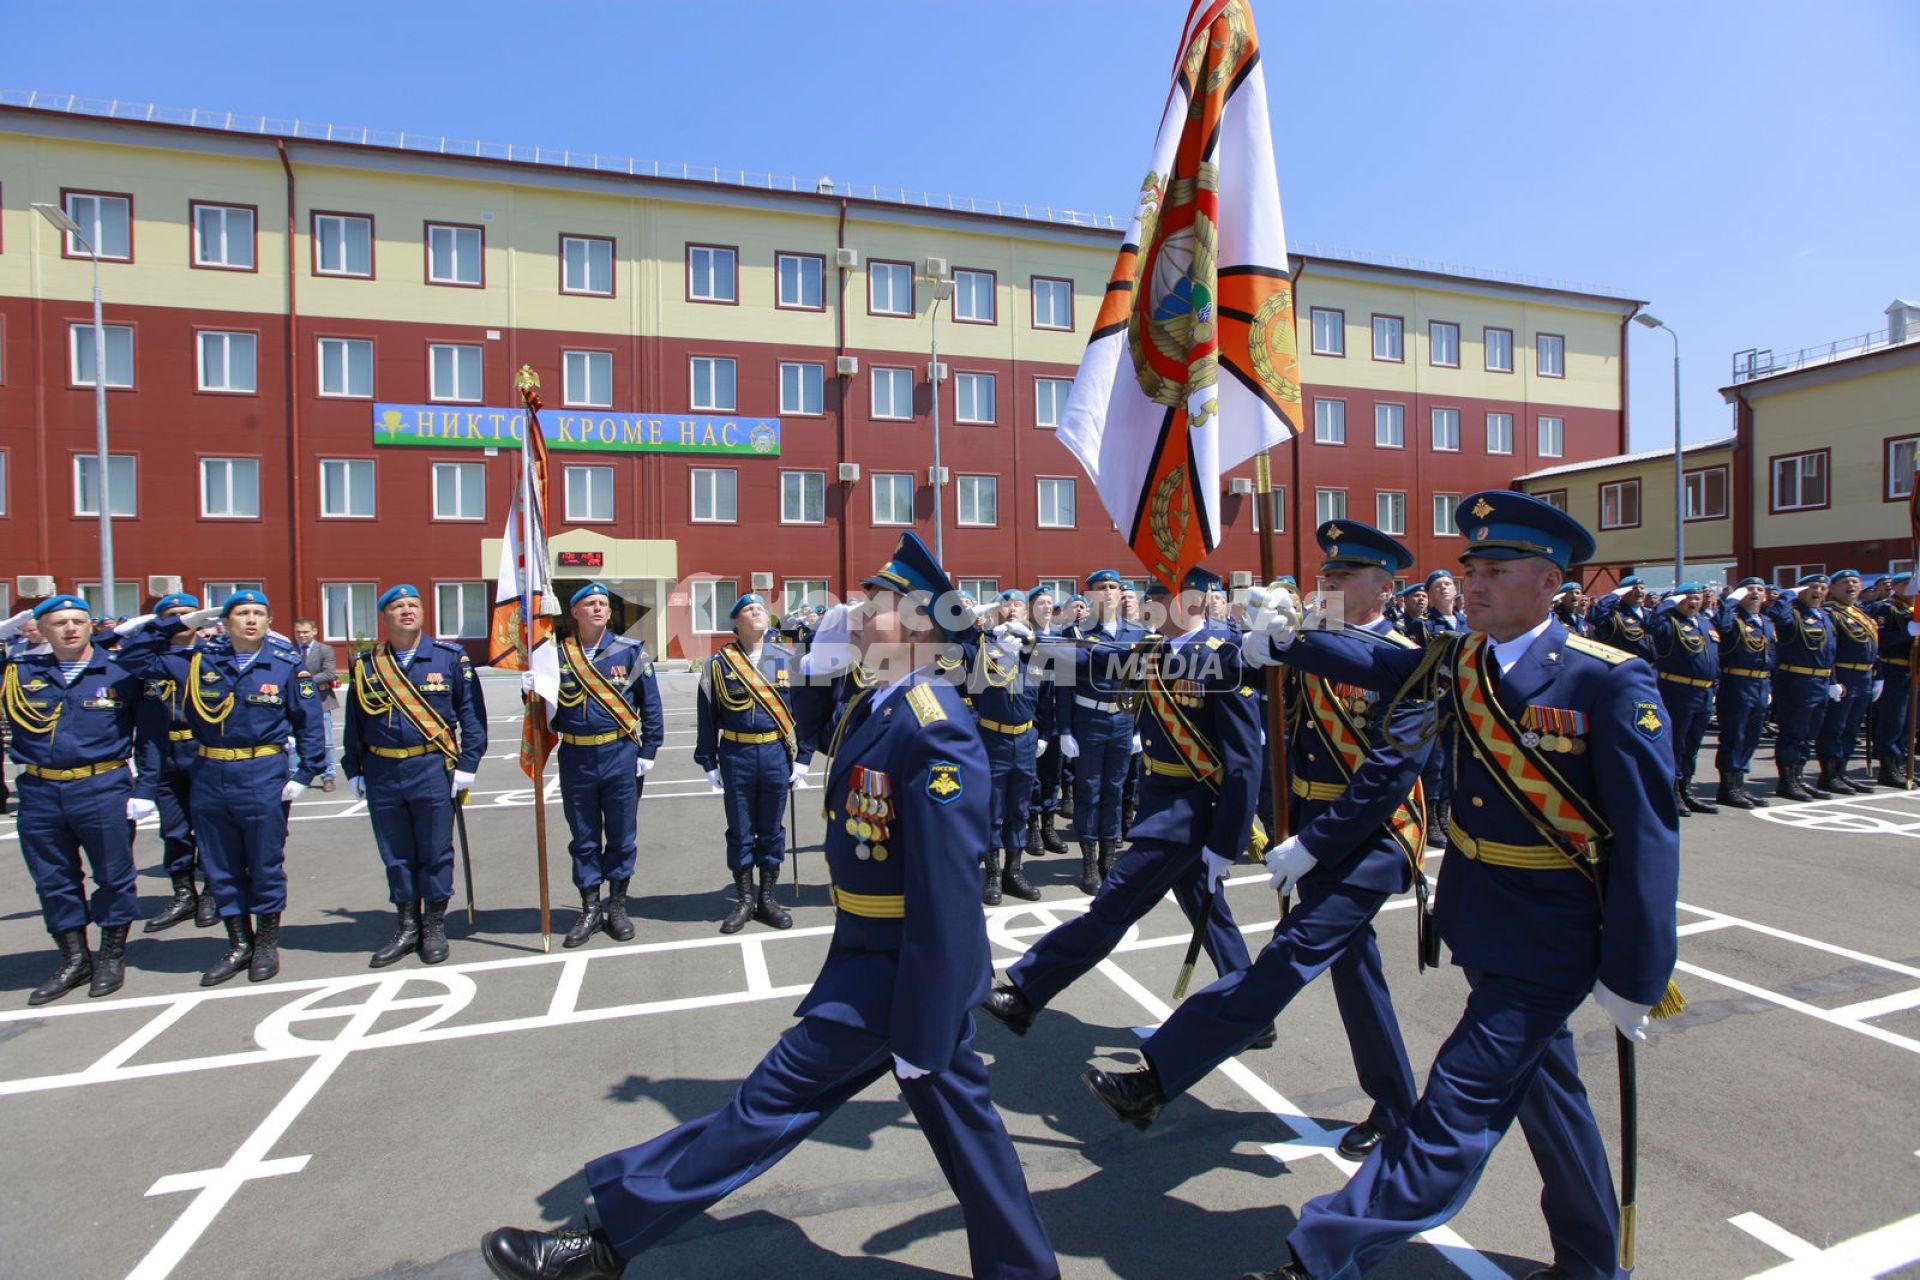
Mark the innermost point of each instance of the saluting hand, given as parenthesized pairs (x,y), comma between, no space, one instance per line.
(16,624)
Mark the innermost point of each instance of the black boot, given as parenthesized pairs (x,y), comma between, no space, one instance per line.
(1437,828)
(1049,838)
(1132,1096)
(1892,775)
(1682,802)
(76,966)
(1824,788)
(1033,835)
(768,910)
(1740,785)
(1089,866)
(990,879)
(1066,802)
(578,1254)
(1128,808)
(1014,881)
(1006,1006)
(185,903)
(1790,785)
(1693,802)
(1109,854)
(618,926)
(1863,784)
(207,913)
(1730,794)
(110,964)
(433,932)
(742,909)
(239,952)
(405,940)
(266,947)
(589,922)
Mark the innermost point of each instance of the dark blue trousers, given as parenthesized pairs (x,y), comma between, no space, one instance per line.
(1138,881)
(1890,718)
(755,775)
(1510,1056)
(644,1193)
(1047,775)
(174,796)
(61,820)
(1797,709)
(600,797)
(410,803)
(1742,707)
(1010,758)
(1331,927)
(1100,772)
(1841,722)
(241,824)
(1689,707)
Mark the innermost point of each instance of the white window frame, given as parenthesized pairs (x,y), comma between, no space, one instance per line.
(348,469)
(81,373)
(1389,425)
(469,481)
(807,381)
(1618,490)
(714,598)
(1438,441)
(967,389)
(227,341)
(1821,468)
(1788,575)
(1550,355)
(983,590)
(1390,511)
(1488,345)
(219,591)
(1695,494)
(1056,290)
(1048,491)
(970,492)
(588,245)
(711,400)
(1328,338)
(718,488)
(1390,339)
(895,381)
(1329,427)
(798,593)
(893,488)
(461,244)
(971,288)
(1434,346)
(589,472)
(467,359)
(577,366)
(469,598)
(1444,506)
(126,464)
(799,491)
(1550,434)
(357,598)
(1277,502)
(1899,485)
(95,224)
(1499,434)
(228,471)
(895,273)
(1050,401)
(126,598)
(346,349)
(1328,504)
(226,241)
(804,263)
(704,284)
(340,225)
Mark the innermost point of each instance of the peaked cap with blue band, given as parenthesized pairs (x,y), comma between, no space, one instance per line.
(914,572)
(239,598)
(591,589)
(178,600)
(1501,524)
(1350,544)
(52,603)
(752,597)
(401,591)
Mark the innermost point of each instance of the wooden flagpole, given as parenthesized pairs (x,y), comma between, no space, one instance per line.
(536,708)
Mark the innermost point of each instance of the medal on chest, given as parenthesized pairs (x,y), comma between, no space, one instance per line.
(869,812)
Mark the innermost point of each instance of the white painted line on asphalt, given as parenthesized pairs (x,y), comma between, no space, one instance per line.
(159,1022)
(1874,1253)
(1892,966)
(1705,926)
(753,954)
(1775,1236)
(1898,1002)
(1800,1006)
(566,992)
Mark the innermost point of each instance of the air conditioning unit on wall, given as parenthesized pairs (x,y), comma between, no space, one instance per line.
(850,473)
(33,584)
(163,584)
(1240,486)
(1241,578)
(937,268)
(763,582)
(846,366)
(846,259)
(937,475)
(936,371)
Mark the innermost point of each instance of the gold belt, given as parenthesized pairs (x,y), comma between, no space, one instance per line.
(1524,857)
(872,906)
(1822,672)
(751,739)
(591,739)
(1754,673)
(1010,729)
(1163,769)
(240,753)
(398,753)
(1318,790)
(179,735)
(71,775)
(1686,680)
(1854,666)
(1897,662)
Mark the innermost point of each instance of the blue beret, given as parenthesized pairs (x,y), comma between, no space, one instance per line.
(404,591)
(1812,580)
(1688,588)
(591,589)
(1034,593)
(1751,582)
(1438,574)
(1285,580)
(1349,543)
(1156,589)
(1568,586)
(1632,580)
(1899,577)
(752,597)
(239,598)
(1099,576)
(913,571)
(1843,573)
(52,603)
(1076,598)
(1501,524)
(1011,594)
(178,600)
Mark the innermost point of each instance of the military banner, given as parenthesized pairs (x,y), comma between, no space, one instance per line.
(439,426)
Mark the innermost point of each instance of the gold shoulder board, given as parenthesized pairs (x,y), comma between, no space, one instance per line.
(1214,642)
(1593,648)
(926,706)
(1393,634)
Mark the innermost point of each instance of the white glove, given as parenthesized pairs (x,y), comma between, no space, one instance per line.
(1878,685)
(359,786)
(1738,594)
(16,624)
(1069,746)
(138,809)
(1835,692)
(1913,628)
(1014,630)
(1617,592)
(642,767)
(797,779)
(713,779)
(1256,598)
(526,683)
(832,649)
(200,617)
(1217,867)
(1288,864)
(906,1070)
(1138,746)
(1039,748)
(1631,1018)
(461,781)
(291,792)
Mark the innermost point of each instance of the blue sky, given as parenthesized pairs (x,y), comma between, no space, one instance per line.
(1748,168)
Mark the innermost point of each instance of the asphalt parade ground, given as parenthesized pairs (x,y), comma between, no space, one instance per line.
(345,1122)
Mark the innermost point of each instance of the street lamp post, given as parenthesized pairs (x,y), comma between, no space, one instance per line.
(942,290)
(1679,466)
(64,222)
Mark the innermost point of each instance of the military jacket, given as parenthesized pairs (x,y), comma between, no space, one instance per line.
(727,705)
(1104,667)
(54,725)
(626,666)
(1746,641)
(1856,637)
(1196,708)
(1685,647)
(445,679)
(1803,637)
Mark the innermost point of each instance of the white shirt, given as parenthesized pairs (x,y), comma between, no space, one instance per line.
(1508,652)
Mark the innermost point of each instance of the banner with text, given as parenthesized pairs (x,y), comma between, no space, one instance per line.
(439,426)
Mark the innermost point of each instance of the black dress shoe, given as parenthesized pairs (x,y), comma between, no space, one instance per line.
(1291,1271)
(1006,1006)
(1360,1139)
(578,1254)
(1132,1096)
(1266,1039)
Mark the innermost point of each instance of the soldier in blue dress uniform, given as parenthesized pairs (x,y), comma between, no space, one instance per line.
(1620,618)
(1003,689)
(1686,646)
(416,731)
(1042,837)
(70,713)
(1530,876)
(1443,618)
(748,746)
(906,801)
(1094,715)
(1893,615)
(1803,679)
(163,754)
(1746,671)
(1567,611)
(610,724)
(1360,809)
(1856,650)
(1196,810)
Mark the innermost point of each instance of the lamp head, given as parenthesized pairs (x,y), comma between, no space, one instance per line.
(1651,321)
(57,216)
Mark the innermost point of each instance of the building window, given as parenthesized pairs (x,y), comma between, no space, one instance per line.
(713,601)
(1389,338)
(1329,504)
(1706,494)
(890,288)
(459,491)
(979,500)
(1050,400)
(973,297)
(1390,512)
(1550,355)
(1446,430)
(1789,575)
(227,362)
(1061,589)
(716,495)
(1900,566)
(800,278)
(803,497)
(893,394)
(230,488)
(1329,332)
(713,384)
(346,611)
(586,265)
(346,488)
(1443,344)
(1052,303)
(223,237)
(1553,437)
(979,590)
(1900,465)
(217,592)
(1056,503)
(125,602)
(1555,498)
(346,367)
(106,222)
(1620,505)
(1329,421)
(454,255)
(342,245)
(461,610)
(1800,481)
(1276,503)
(1390,426)
(973,398)
(1499,350)
(589,495)
(1499,433)
(453,372)
(587,379)
(712,273)
(3,491)
(122,496)
(892,497)
(1444,505)
(119,355)
(803,593)
(803,389)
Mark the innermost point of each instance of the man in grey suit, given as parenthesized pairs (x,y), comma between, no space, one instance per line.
(320,665)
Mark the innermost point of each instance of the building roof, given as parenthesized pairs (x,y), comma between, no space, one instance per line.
(1627,459)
